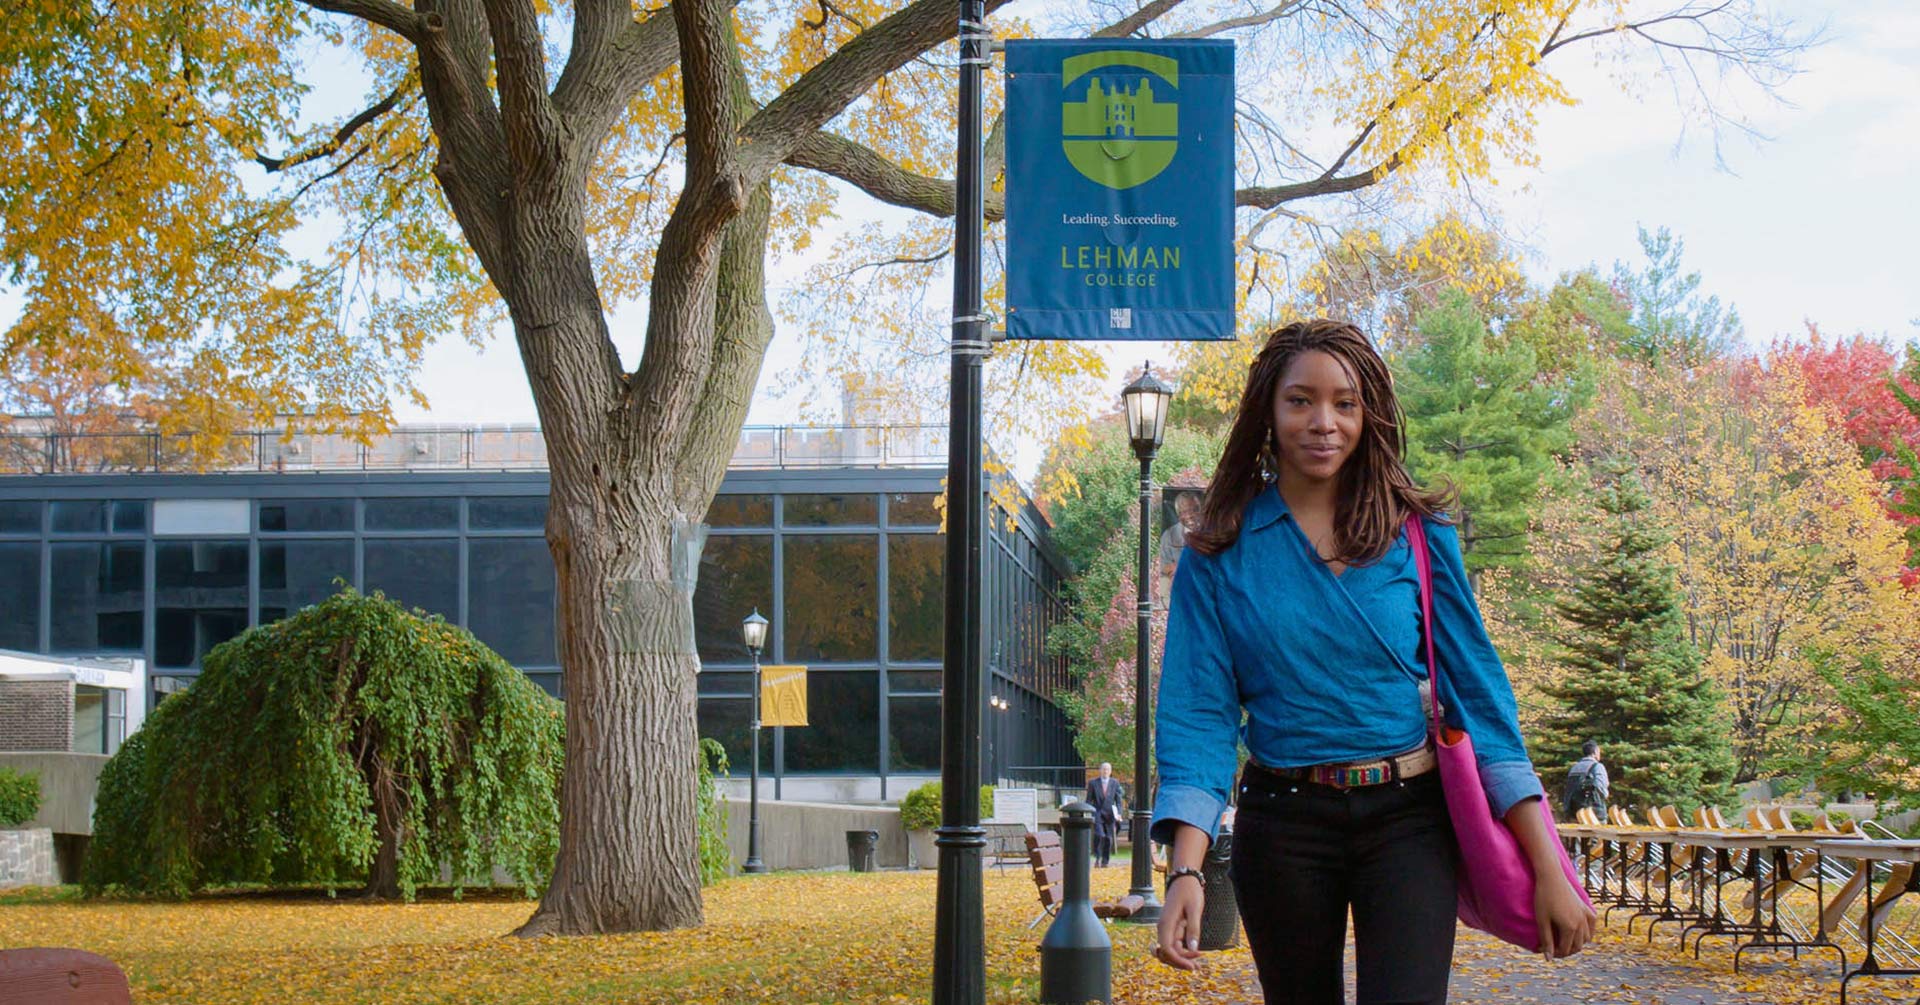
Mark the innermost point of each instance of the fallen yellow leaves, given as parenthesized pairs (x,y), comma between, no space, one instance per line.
(860,939)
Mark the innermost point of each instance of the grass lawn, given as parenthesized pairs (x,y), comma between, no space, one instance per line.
(788,937)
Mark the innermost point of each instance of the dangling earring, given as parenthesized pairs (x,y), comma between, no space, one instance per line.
(1269,465)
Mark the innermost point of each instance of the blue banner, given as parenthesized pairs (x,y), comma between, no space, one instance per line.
(1120,189)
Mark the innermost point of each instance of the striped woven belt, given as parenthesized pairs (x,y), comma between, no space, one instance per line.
(1354,774)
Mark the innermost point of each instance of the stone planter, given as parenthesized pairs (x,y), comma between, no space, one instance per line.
(921,853)
(26,858)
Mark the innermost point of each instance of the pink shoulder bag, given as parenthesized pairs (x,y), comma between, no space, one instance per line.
(1496,883)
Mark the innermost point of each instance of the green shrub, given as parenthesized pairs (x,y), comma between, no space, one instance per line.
(1840,818)
(351,744)
(710,759)
(920,809)
(19,797)
(1800,819)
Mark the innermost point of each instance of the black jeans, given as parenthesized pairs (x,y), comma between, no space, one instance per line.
(1303,854)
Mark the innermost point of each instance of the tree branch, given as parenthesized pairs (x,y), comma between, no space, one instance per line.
(1248,21)
(342,134)
(385,13)
(825,90)
(598,82)
(528,119)
(858,165)
(1138,19)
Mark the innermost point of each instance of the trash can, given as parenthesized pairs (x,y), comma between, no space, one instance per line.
(1220,918)
(861,847)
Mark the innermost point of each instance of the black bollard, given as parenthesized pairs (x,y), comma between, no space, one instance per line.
(1076,957)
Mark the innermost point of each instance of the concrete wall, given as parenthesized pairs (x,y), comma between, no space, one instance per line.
(797,835)
(26,858)
(36,715)
(67,786)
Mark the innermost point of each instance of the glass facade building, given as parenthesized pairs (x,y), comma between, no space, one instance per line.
(847,564)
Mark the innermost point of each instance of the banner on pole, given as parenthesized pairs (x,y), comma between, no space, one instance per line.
(1120,189)
(783,696)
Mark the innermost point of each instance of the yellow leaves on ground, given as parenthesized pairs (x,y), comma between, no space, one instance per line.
(789,938)
(828,937)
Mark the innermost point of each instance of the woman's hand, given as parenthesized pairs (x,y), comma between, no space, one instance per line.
(1177,941)
(1566,922)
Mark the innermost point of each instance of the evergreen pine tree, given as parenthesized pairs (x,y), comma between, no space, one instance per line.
(1634,682)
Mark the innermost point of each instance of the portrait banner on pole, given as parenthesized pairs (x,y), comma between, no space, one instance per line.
(783,696)
(1120,189)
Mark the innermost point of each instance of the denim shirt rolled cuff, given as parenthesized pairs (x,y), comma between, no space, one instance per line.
(1185,804)
(1508,783)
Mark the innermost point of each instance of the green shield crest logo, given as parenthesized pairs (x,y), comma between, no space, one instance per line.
(1118,129)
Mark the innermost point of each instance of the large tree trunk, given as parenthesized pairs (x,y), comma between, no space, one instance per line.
(628,848)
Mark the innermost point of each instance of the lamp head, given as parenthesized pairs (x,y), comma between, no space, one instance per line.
(1146,401)
(753,631)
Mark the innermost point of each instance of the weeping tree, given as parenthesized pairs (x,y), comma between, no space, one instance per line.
(354,743)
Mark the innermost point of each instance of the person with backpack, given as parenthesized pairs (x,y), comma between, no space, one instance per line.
(1586,783)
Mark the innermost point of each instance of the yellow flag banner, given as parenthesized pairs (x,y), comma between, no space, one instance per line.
(783,696)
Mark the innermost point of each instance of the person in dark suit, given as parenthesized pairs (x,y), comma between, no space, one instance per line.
(1108,800)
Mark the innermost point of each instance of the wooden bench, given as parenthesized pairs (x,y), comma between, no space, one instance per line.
(1048,861)
(60,977)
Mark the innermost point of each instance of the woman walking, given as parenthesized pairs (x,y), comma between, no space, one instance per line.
(1298,605)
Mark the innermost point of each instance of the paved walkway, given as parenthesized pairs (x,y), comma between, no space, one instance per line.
(1618,969)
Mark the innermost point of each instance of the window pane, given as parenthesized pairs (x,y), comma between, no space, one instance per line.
(306,514)
(423,574)
(423,513)
(89,720)
(914,680)
(736,578)
(102,597)
(200,598)
(510,598)
(913,734)
(507,513)
(730,720)
(549,681)
(300,573)
(718,682)
(79,516)
(832,597)
(831,510)
(740,511)
(916,591)
(843,725)
(19,517)
(906,509)
(219,565)
(130,517)
(20,585)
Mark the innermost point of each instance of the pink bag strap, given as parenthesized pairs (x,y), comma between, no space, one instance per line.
(1417,540)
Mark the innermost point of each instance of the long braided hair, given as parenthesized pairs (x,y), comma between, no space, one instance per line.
(1375,493)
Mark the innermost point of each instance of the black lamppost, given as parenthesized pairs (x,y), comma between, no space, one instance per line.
(753,631)
(959,927)
(1146,402)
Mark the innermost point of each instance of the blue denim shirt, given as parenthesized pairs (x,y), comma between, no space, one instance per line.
(1326,668)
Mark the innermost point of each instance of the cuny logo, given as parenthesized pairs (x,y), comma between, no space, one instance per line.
(1117,129)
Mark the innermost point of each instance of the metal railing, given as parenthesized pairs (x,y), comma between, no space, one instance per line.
(489,448)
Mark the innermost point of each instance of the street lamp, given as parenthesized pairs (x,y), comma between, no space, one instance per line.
(753,631)
(1146,401)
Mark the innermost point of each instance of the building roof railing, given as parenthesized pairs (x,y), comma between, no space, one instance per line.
(439,448)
